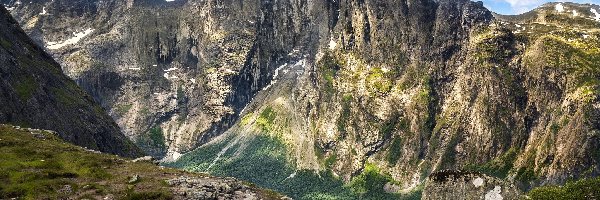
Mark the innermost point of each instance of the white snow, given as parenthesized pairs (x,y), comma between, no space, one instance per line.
(154,65)
(193,80)
(585,36)
(332,44)
(494,194)
(575,14)
(274,80)
(166,75)
(43,11)
(73,40)
(559,7)
(170,69)
(478,182)
(597,17)
(176,155)
(135,68)
(170,0)
(518,25)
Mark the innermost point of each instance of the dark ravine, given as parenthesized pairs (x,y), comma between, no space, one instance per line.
(414,87)
(36,94)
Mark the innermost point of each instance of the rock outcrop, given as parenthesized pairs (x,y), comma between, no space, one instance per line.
(465,185)
(35,93)
(413,87)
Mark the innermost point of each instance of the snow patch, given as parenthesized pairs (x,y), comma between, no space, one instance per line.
(597,15)
(43,11)
(274,80)
(193,80)
(176,155)
(170,0)
(332,44)
(575,14)
(559,7)
(478,182)
(170,69)
(73,40)
(135,68)
(494,194)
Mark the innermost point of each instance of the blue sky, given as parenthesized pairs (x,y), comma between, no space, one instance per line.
(521,6)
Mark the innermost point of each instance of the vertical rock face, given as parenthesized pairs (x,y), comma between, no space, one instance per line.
(413,86)
(462,185)
(36,94)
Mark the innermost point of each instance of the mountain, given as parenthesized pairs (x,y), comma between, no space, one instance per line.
(36,94)
(37,164)
(342,99)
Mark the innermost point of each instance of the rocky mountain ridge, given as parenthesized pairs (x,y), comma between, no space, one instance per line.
(411,87)
(36,94)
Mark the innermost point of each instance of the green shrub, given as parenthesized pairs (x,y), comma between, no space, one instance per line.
(26,87)
(498,167)
(581,189)
(266,118)
(394,151)
(369,184)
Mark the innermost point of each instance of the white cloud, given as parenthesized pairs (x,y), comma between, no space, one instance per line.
(521,6)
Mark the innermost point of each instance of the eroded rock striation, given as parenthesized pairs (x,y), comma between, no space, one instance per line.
(413,87)
(35,93)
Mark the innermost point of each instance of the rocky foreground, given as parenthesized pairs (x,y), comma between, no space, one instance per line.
(36,164)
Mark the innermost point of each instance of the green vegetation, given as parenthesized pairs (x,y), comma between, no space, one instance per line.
(266,118)
(263,160)
(578,59)
(499,167)
(157,136)
(39,165)
(394,151)
(328,67)
(246,119)
(5,44)
(344,115)
(581,189)
(379,80)
(494,47)
(330,161)
(69,95)
(123,108)
(26,87)
(369,184)
(180,93)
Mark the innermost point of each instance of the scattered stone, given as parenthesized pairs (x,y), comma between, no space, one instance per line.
(134,179)
(143,159)
(66,189)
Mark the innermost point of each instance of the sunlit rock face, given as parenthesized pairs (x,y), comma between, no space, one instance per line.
(413,87)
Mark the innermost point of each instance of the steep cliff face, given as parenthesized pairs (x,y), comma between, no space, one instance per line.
(36,94)
(342,87)
(172,74)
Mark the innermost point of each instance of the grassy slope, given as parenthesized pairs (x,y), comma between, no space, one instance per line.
(581,189)
(266,158)
(42,166)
